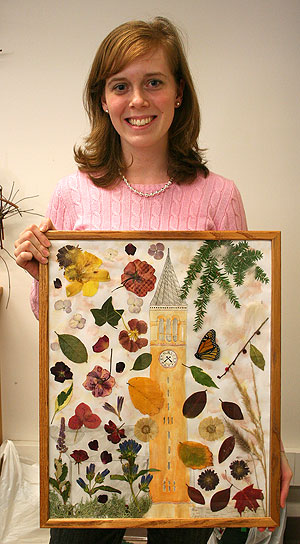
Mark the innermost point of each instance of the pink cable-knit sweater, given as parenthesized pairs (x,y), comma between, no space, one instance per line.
(212,203)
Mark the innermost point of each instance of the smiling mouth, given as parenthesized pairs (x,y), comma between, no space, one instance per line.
(140,122)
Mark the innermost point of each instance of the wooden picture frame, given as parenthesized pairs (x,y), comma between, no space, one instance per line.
(144,420)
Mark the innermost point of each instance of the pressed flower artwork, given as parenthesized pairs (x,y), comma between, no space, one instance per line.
(159,369)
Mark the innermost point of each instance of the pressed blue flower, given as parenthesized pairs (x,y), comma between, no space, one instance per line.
(145,482)
(90,472)
(82,484)
(100,476)
(129,449)
(146,479)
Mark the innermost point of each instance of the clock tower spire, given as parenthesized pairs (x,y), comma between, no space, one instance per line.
(168,323)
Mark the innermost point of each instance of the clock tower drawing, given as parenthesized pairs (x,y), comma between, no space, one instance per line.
(168,324)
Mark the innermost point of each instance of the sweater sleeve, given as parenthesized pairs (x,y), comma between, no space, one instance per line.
(62,217)
(234,217)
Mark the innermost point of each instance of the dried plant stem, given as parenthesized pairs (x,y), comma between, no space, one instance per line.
(242,349)
(257,432)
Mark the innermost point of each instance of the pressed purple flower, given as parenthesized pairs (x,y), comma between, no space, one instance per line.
(130,249)
(105,457)
(208,480)
(93,445)
(120,367)
(157,250)
(61,446)
(61,372)
(239,469)
(102,499)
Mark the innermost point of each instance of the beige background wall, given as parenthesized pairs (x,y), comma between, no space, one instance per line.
(245,60)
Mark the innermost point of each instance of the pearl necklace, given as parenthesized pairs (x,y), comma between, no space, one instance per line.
(146,195)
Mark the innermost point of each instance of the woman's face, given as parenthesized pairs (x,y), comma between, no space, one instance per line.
(141,100)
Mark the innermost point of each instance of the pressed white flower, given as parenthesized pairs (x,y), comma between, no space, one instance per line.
(77,321)
(145,429)
(110,254)
(134,304)
(211,428)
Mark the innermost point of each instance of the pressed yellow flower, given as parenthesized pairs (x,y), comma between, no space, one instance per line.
(83,274)
(145,429)
(211,428)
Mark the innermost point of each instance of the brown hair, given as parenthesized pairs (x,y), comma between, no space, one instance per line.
(101,156)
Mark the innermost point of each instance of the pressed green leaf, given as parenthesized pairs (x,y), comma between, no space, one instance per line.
(142,361)
(73,348)
(202,377)
(107,314)
(64,472)
(118,477)
(146,471)
(63,399)
(257,357)
(58,468)
(66,493)
(54,483)
(108,488)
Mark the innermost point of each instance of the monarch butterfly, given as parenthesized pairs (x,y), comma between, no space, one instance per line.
(208,348)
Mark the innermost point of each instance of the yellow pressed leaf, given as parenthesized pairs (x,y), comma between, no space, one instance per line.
(195,455)
(74,288)
(146,395)
(90,288)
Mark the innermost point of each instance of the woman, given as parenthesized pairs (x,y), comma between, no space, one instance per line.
(139,169)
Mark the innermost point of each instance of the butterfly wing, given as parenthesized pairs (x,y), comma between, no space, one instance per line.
(208,348)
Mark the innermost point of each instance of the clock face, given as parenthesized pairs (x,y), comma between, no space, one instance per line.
(168,358)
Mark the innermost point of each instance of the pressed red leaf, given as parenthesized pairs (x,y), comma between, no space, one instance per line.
(232,410)
(194,404)
(195,495)
(226,448)
(220,500)
(247,498)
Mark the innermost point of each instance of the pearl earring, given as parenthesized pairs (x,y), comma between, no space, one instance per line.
(106,111)
(177,104)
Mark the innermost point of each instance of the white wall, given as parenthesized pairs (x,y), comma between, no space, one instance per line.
(245,59)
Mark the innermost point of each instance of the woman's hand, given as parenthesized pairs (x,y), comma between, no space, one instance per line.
(32,247)
(285,477)
(285,480)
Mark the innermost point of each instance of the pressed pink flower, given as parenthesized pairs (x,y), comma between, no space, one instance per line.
(99,381)
(130,339)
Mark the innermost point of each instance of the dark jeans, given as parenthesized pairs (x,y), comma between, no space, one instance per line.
(115,536)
